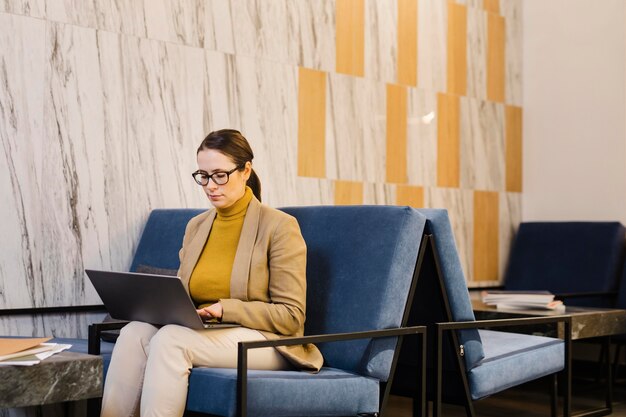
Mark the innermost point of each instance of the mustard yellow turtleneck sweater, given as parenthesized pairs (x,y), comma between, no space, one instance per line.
(210,279)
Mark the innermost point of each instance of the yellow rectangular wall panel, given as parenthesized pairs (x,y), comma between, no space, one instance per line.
(495,57)
(407,195)
(486,235)
(396,134)
(457,48)
(311,123)
(350,36)
(348,193)
(492,6)
(448,140)
(513,145)
(407,42)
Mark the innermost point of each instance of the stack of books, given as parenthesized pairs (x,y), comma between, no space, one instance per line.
(507,300)
(27,351)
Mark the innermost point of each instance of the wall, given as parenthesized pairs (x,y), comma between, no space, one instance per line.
(574,110)
(103,104)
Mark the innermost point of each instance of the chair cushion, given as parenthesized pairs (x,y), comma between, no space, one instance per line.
(454,280)
(567,257)
(512,359)
(283,393)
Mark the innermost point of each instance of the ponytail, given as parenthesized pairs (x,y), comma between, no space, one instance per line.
(255,184)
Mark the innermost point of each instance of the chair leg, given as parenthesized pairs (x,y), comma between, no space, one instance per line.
(618,348)
(554,404)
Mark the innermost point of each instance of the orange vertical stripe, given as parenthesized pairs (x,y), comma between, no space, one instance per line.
(311,123)
(407,42)
(492,6)
(396,133)
(407,195)
(348,193)
(448,140)
(350,36)
(457,48)
(513,146)
(495,57)
(486,245)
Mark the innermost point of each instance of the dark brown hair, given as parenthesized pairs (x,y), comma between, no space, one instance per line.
(234,145)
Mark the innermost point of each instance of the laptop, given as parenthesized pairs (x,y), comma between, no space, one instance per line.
(154,299)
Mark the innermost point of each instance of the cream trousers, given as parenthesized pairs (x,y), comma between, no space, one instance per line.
(150,366)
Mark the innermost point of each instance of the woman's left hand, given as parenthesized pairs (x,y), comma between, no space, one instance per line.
(214,311)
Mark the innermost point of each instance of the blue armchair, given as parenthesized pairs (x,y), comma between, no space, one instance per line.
(361,262)
(580,262)
(466,361)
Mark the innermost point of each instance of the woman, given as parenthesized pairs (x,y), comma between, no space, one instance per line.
(242,262)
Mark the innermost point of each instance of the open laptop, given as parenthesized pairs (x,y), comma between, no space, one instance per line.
(155,299)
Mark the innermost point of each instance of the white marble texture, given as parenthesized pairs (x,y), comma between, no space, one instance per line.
(381,40)
(432,38)
(219,32)
(460,206)
(477,53)
(482,145)
(180,21)
(32,8)
(355,129)
(315,26)
(379,193)
(512,10)
(422,137)
(21,140)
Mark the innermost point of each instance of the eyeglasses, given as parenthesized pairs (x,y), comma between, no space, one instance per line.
(219,177)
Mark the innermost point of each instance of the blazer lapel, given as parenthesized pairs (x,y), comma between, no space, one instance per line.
(243,257)
(194,250)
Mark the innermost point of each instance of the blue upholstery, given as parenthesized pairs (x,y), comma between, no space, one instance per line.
(279,393)
(567,257)
(359,259)
(360,265)
(456,286)
(621,300)
(162,238)
(512,359)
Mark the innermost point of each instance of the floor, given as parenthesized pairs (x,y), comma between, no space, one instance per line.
(526,401)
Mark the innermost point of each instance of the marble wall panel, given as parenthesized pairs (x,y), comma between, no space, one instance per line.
(314,192)
(482,145)
(221,105)
(477,53)
(21,139)
(32,8)
(381,40)
(218,26)
(378,193)
(432,40)
(460,206)
(422,137)
(513,15)
(355,129)
(316,33)
(180,22)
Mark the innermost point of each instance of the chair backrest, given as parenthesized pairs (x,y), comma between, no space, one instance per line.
(621,294)
(162,238)
(438,225)
(567,257)
(360,266)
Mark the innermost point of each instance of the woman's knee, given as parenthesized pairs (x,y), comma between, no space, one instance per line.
(137,331)
(169,337)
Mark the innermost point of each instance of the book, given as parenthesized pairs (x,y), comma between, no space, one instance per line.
(14,345)
(521,300)
(35,358)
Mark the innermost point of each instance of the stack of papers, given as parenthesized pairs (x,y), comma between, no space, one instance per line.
(27,351)
(543,300)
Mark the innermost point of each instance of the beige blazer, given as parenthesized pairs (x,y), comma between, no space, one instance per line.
(268,282)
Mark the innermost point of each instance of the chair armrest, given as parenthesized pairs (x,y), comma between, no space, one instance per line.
(243,347)
(95,330)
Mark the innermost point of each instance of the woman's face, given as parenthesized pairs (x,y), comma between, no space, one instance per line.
(223,196)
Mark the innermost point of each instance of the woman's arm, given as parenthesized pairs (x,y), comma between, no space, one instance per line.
(285,312)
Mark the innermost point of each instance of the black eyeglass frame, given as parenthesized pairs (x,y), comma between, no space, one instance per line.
(211,176)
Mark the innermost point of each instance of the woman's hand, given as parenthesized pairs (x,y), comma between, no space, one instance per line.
(214,311)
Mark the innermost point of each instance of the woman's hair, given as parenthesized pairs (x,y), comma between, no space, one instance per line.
(231,143)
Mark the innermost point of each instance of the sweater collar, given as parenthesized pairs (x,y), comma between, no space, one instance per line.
(238,208)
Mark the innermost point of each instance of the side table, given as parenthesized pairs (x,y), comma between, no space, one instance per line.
(64,377)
